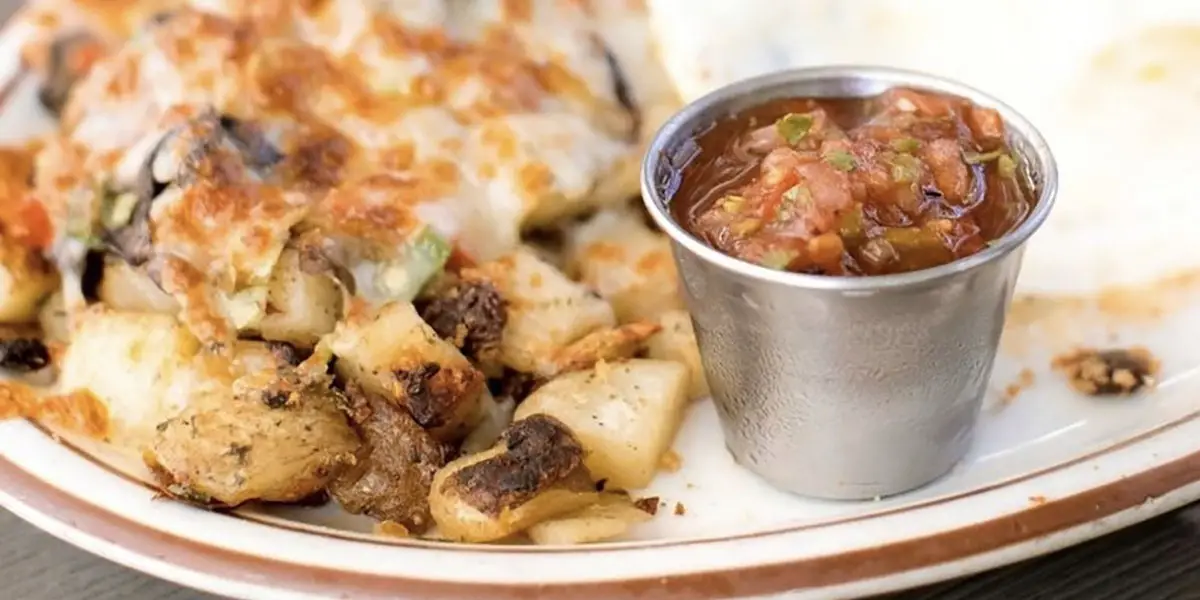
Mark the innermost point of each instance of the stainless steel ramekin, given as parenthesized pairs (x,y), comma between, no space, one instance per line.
(839,387)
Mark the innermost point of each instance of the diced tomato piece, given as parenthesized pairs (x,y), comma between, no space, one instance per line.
(459,259)
(31,225)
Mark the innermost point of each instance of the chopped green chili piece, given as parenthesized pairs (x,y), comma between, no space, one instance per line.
(905,144)
(795,198)
(841,160)
(793,127)
(906,168)
(975,158)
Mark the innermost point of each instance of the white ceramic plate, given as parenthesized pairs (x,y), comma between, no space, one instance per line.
(1048,469)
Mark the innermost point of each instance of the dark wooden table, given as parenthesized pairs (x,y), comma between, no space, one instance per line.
(1158,560)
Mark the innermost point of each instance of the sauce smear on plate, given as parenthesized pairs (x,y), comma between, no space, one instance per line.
(902,181)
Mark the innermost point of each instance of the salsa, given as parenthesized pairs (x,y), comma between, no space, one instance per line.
(902,181)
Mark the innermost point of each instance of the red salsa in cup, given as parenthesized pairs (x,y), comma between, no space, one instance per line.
(902,181)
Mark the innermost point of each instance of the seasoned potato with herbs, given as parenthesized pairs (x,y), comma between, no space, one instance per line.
(621,342)
(536,472)
(624,414)
(392,473)
(268,438)
(609,518)
(26,278)
(617,255)
(677,341)
(140,365)
(546,310)
(301,306)
(253,356)
(398,356)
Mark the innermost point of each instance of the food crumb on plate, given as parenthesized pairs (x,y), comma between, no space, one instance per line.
(392,529)
(1108,372)
(649,505)
(680,509)
(1037,500)
(670,462)
(1024,381)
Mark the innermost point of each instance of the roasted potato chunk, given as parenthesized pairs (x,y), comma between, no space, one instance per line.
(301,306)
(609,518)
(394,469)
(677,341)
(625,415)
(617,255)
(535,473)
(252,356)
(26,278)
(621,342)
(398,356)
(140,365)
(268,439)
(497,416)
(546,310)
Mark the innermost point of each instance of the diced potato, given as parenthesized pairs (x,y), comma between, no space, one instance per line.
(301,307)
(398,356)
(138,364)
(497,416)
(609,518)
(536,472)
(618,343)
(124,288)
(25,280)
(617,255)
(677,342)
(625,415)
(546,310)
(253,356)
(263,438)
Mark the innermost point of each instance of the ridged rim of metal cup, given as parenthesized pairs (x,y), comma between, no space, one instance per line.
(1038,156)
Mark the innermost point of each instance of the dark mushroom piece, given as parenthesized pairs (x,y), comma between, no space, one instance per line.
(469,314)
(23,355)
(623,91)
(259,153)
(394,468)
(71,57)
(216,148)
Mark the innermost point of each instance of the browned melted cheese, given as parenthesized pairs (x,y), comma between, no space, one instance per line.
(487,117)
(77,412)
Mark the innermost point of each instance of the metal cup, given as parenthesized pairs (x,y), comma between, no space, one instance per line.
(844,387)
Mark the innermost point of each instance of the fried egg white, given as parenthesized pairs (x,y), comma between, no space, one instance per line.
(1114,86)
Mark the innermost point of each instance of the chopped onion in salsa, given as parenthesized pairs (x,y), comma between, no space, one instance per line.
(898,182)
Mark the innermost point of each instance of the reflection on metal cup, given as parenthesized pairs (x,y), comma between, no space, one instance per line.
(844,387)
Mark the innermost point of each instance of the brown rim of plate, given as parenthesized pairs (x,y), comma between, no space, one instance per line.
(1040,519)
(268,520)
